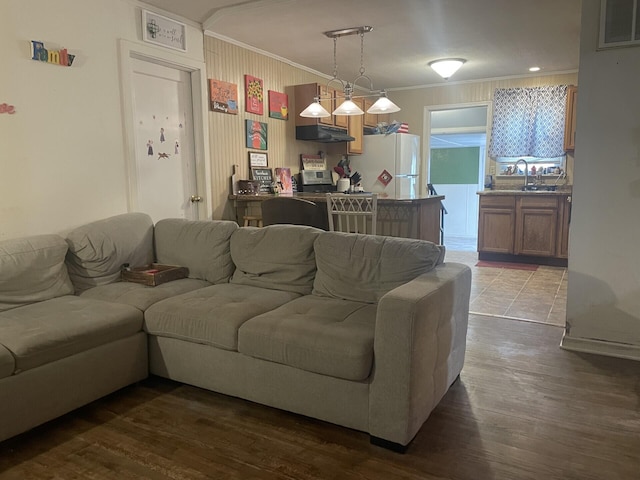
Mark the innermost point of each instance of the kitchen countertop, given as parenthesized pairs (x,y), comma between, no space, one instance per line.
(316,197)
(565,191)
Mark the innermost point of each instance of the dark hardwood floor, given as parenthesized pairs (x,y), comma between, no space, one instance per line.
(523,409)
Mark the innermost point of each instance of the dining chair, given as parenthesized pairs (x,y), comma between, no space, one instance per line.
(293,211)
(353,213)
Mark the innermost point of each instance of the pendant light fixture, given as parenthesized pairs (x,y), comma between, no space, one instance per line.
(348,107)
(447,66)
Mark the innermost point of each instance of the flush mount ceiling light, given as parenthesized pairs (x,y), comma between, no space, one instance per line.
(447,66)
(348,107)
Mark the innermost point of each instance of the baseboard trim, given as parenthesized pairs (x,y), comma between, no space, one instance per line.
(600,347)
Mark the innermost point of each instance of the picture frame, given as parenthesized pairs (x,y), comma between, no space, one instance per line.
(278,105)
(223,97)
(163,31)
(284,180)
(253,95)
(256,134)
(257,159)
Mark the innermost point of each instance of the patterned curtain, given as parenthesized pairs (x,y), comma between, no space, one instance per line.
(528,122)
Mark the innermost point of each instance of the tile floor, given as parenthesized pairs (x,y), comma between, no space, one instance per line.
(539,296)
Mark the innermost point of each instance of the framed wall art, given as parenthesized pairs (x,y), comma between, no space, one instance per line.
(278,105)
(256,134)
(223,96)
(257,159)
(163,31)
(254,95)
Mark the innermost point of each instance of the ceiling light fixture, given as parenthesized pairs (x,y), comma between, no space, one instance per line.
(534,69)
(447,66)
(348,107)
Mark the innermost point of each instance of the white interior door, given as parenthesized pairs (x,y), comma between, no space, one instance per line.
(164,141)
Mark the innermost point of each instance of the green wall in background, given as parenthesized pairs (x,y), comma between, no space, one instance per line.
(454,166)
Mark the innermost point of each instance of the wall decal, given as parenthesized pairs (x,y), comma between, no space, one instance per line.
(5,108)
(57,57)
(162,155)
(223,97)
(253,93)
(150,147)
(164,31)
(256,134)
(161,135)
(278,105)
(177,149)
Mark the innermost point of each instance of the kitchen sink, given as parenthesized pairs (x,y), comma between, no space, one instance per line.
(539,188)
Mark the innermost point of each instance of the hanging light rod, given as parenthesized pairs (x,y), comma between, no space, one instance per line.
(343,32)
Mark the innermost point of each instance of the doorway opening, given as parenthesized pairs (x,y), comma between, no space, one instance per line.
(456,140)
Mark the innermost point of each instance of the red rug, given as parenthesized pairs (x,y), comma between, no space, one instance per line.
(514,266)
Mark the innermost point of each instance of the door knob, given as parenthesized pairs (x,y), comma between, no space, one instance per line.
(196,198)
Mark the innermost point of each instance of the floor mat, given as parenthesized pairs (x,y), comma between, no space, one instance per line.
(514,266)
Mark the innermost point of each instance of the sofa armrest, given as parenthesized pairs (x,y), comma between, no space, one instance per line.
(419,347)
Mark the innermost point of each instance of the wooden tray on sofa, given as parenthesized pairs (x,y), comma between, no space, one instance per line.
(154,274)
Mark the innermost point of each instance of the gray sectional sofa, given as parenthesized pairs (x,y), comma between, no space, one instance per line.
(363,331)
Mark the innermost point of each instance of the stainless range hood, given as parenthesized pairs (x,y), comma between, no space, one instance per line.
(322,134)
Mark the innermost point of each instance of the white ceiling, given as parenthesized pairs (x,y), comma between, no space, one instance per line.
(499,38)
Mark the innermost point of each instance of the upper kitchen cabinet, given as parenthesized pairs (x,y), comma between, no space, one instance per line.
(305,94)
(371,120)
(570,118)
(355,130)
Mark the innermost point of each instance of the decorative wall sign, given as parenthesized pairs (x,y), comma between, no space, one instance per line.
(278,105)
(256,134)
(163,31)
(385,178)
(313,162)
(223,96)
(57,57)
(264,176)
(254,95)
(257,159)
(5,108)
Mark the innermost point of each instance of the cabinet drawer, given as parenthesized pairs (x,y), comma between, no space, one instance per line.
(503,201)
(538,201)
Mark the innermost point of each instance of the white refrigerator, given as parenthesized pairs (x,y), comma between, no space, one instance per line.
(390,165)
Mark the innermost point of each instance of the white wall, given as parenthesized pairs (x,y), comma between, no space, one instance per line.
(603,304)
(62,153)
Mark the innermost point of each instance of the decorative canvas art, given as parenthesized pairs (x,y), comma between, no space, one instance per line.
(223,97)
(254,95)
(256,135)
(278,105)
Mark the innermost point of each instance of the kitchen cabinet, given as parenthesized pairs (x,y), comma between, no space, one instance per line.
(304,95)
(524,224)
(536,225)
(372,120)
(564,219)
(355,129)
(570,118)
(496,224)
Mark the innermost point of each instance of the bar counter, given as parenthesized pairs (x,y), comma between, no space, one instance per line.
(410,217)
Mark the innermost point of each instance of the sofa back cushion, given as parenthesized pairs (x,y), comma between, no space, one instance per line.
(201,246)
(279,257)
(365,267)
(32,269)
(98,250)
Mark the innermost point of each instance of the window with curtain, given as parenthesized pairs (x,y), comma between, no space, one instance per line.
(528,122)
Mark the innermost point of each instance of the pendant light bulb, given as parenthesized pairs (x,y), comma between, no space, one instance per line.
(315,110)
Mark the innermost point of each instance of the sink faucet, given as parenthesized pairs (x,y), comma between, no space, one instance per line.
(526,171)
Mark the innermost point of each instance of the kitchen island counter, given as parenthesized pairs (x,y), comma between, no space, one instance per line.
(410,217)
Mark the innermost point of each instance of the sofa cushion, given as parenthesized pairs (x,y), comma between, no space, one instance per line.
(365,267)
(278,257)
(98,250)
(32,269)
(318,334)
(7,363)
(212,315)
(201,246)
(47,331)
(142,296)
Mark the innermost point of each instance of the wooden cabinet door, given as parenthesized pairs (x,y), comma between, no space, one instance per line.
(370,119)
(570,118)
(496,222)
(326,100)
(564,219)
(355,130)
(338,98)
(536,226)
